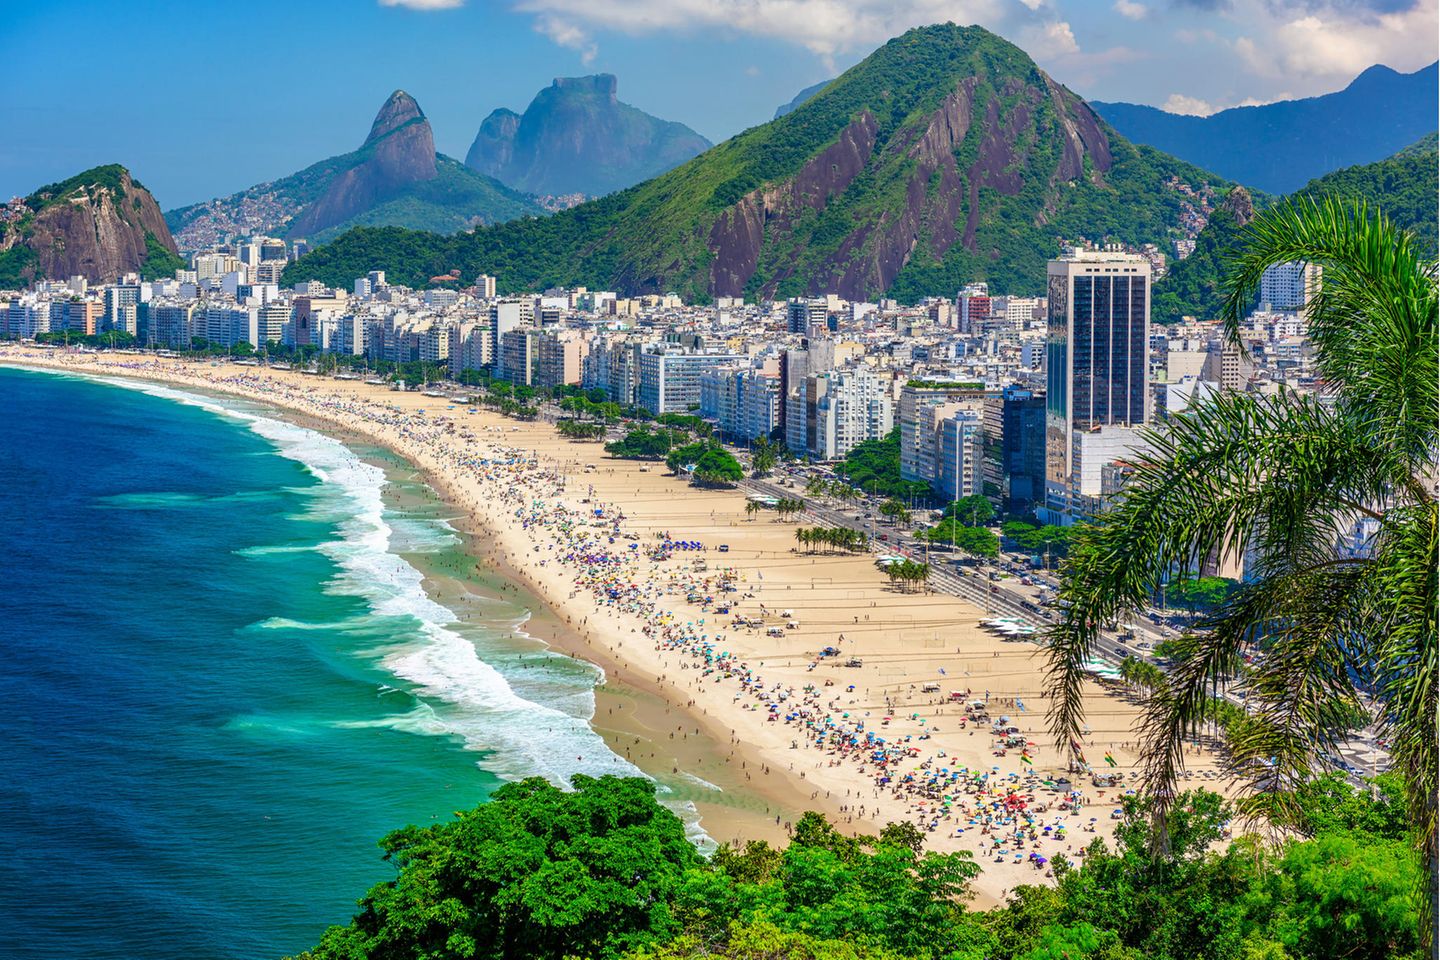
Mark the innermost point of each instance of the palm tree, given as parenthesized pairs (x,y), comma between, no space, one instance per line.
(1282,477)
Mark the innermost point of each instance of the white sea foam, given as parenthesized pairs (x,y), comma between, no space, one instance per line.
(462,695)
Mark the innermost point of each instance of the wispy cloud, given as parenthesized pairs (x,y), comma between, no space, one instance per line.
(1131,10)
(423,4)
(825,27)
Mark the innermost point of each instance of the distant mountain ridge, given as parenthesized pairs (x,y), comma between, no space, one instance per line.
(99,224)
(800,98)
(944,157)
(1279,147)
(394,178)
(577,137)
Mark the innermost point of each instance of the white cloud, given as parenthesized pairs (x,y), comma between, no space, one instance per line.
(1131,10)
(1336,42)
(1187,106)
(825,27)
(1195,107)
(566,34)
(424,4)
(1049,40)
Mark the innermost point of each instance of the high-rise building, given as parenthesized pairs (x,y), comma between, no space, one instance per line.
(854,407)
(1096,364)
(670,382)
(917,422)
(485,286)
(958,466)
(810,317)
(1289,286)
(1014,468)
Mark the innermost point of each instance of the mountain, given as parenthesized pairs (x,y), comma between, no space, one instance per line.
(1279,147)
(1404,187)
(576,137)
(99,224)
(800,98)
(945,156)
(394,178)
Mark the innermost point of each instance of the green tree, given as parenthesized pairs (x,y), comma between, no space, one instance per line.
(537,872)
(973,511)
(895,510)
(763,456)
(1278,475)
(976,541)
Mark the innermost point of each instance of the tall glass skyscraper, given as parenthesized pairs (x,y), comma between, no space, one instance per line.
(1096,369)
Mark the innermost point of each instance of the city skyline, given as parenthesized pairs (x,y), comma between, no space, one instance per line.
(461,60)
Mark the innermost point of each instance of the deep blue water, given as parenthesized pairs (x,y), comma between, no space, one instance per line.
(223,682)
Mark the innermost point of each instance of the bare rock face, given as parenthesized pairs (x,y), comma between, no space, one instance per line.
(1239,202)
(943,203)
(577,137)
(93,225)
(494,148)
(400,150)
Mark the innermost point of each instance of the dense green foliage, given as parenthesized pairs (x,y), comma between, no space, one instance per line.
(160,263)
(605,872)
(642,443)
(655,236)
(536,872)
(18,267)
(109,177)
(1039,541)
(828,539)
(717,467)
(1192,288)
(874,466)
(973,511)
(1403,187)
(1199,593)
(976,541)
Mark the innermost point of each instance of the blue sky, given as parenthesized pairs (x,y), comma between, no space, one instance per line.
(203,99)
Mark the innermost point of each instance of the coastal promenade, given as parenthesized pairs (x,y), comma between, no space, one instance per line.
(918,715)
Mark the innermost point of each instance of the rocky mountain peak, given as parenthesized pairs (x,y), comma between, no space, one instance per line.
(98,224)
(399,151)
(576,137)
(600,84)
(398,110)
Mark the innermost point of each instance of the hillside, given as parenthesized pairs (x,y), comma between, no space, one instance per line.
(395,178)
(576,137)
(945,156)
(800,98)
(1279,147)
(1403,186)
(99,224)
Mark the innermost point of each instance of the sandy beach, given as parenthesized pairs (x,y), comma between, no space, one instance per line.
(710,626)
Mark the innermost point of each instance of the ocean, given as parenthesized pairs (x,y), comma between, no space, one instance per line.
(228,673)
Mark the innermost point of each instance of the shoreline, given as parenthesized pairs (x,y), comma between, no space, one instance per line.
(640,643)
(629,714)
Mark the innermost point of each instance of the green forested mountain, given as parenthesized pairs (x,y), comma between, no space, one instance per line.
(946,156)
(1404,186)
(395,178)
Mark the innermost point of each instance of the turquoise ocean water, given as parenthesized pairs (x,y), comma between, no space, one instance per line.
(225,678)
